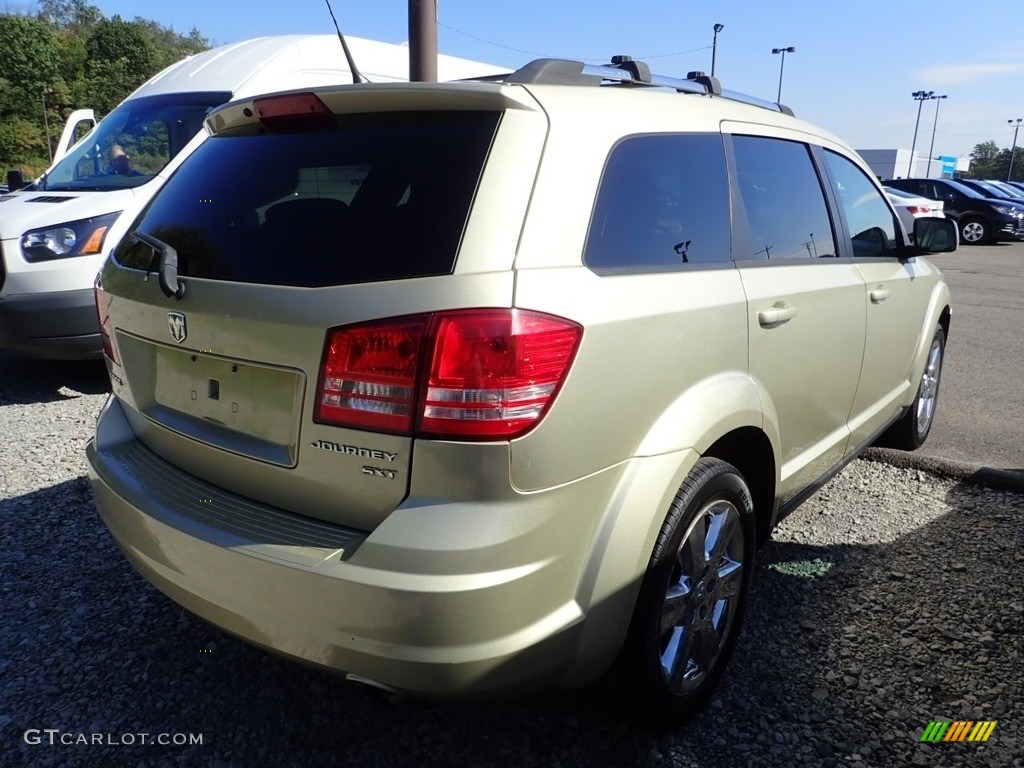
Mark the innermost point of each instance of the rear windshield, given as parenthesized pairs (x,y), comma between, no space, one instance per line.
(380,197)
(133,143)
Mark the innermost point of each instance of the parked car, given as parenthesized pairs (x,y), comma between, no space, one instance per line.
(1007,189)
(1017,185)
(55,232)
(910,206)
(993,190)
(515,410)
(980,219)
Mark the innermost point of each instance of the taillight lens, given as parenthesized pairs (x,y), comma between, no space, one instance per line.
(476,374)
(493,372)
(368,377)
(106,326)
(918,209)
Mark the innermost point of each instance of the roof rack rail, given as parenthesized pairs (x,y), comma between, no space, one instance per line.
(626,71)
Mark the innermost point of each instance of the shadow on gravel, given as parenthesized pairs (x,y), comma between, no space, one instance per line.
(849,652)
(24,381)
(885,638)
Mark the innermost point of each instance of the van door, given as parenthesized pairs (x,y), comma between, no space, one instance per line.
(805,312)
(79,123)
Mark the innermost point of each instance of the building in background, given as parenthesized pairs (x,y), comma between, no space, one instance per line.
(896,164)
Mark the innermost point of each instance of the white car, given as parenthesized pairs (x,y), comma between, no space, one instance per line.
(910,206)
(54,233)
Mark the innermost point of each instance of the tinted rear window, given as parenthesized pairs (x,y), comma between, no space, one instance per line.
(663,202)
(383,196)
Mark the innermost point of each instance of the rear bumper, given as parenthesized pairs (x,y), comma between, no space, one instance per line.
(496,612)
(61,325)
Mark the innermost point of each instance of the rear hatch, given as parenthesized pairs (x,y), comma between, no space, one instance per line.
(296,229)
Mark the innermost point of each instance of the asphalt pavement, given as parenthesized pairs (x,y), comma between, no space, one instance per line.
(980,420)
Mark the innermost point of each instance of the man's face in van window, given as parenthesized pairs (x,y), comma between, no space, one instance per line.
(120,163)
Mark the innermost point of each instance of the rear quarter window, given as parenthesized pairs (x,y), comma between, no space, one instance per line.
(379,197)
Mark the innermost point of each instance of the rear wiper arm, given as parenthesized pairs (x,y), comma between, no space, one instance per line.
(168,272)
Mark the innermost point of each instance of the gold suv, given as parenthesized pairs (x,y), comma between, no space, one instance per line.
(475,387)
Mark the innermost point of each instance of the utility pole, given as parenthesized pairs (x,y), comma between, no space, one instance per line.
(423,41)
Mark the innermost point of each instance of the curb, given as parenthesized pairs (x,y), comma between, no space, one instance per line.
(965,472)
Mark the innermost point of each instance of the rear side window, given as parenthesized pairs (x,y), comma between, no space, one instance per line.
(783,200)
(382,196)
(663,201)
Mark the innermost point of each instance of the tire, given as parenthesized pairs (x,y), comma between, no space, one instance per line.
(975,231)
(913,428)
(693,596)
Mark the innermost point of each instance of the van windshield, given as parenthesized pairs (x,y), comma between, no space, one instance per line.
(133,143)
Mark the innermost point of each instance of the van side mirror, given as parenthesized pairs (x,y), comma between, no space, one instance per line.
(935,235)
(15,179)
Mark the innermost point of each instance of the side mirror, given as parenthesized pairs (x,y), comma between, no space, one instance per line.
(935,235)
(15,179)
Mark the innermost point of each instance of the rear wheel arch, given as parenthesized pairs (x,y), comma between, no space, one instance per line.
(945,318)
(750,451)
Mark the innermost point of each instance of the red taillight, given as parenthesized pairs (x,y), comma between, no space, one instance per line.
(919,210)
(494,371)
(368,376)
(294,112)
(483,374)
(106,326)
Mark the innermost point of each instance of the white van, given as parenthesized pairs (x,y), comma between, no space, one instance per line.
(54,232)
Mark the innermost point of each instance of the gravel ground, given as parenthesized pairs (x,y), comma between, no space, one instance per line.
(892,598)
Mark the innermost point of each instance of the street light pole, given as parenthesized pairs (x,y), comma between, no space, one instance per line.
(920,97)
(782,66)
(714,46)
(1016,128)
(931,149)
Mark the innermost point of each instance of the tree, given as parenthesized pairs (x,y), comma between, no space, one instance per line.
(74,15)
(28,60)
(68,56)
(985,161)
(121,57)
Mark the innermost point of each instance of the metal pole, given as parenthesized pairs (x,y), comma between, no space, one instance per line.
(423,41)
(919,96)
(46,124)
(714,46)
(1016,127)
(782,66)
(931,149)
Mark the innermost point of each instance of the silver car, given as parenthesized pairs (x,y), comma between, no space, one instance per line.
(470,388)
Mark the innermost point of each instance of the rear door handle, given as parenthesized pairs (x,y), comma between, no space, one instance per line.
(776,315)
(878,295)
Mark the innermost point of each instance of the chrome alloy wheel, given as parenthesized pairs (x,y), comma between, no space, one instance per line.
(703,596)
(928,396)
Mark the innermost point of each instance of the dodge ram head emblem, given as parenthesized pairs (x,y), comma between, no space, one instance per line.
(176,325)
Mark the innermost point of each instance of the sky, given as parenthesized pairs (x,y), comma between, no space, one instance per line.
(855,67)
